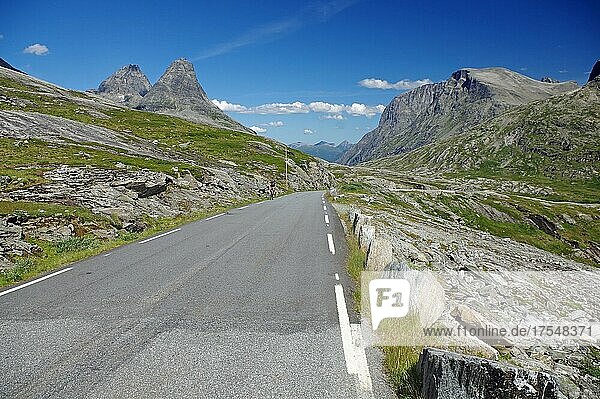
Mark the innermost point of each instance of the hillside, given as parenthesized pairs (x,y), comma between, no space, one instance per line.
(440,110)
(79,170)
(557,138)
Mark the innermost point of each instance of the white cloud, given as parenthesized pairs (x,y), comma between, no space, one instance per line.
(563,71)
(331,111)
(37,49)
(404,84)
(228,107)
(273,124)
(364,110)
(338,117)
(1,36)
(320,106)
(309,131)
(280,108)
(258,129)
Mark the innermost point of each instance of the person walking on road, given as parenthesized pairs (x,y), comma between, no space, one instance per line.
(272,189)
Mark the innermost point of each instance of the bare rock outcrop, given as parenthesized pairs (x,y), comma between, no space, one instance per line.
(440,110)
(179,93)
(448,375)
(126,86)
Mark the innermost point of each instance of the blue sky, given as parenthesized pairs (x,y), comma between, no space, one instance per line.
(294,68)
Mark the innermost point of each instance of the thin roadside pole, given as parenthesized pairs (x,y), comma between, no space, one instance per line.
(286,169)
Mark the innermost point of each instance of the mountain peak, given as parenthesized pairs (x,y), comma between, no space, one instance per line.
(548,79)
(6,65)
(439,110)
(178,92)
(595,71)
(126,86)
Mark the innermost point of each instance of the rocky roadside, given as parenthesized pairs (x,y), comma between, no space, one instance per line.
(404,230)
(105,203)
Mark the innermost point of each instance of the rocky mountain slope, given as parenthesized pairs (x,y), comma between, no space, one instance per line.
(178,93)
(324,150)
(556,138)
(79,172)
(126,86)
(5,64)
(436,111)
(595,72)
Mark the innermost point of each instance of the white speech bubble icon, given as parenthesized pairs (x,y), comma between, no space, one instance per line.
(389,298)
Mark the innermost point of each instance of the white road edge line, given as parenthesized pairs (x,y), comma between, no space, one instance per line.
(214,217)
(35,281)
(327,219)
(352,343)
(324,207)
(244,207)
(331,244)
(345,330)
(364,376)
(105,255)
(159,236)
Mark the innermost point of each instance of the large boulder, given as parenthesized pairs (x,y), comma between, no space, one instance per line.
(448,375)
(380,254)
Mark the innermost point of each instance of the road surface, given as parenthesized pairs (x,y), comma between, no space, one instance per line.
(251,303)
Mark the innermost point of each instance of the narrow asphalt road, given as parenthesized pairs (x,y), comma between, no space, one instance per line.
(246,304)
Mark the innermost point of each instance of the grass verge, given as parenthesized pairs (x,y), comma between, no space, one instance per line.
(400,362)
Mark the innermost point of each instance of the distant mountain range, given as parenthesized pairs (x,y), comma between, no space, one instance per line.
(323,149)
(440,110)
(557,138)
(176,93)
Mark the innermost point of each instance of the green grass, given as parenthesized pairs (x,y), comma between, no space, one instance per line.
(355,265)
(591,363)
(521,230)
(30,160)
(76,244)
(205,145)
(401,367)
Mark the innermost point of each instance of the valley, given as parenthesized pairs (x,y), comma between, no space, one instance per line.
(466,184)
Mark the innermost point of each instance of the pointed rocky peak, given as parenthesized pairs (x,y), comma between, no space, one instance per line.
(126,86)
(595,71)
(178,86)
(548,79)
(179,93)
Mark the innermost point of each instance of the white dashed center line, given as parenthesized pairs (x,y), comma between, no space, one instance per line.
(327,219)
(214,217)
(331,244)
(159,236)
